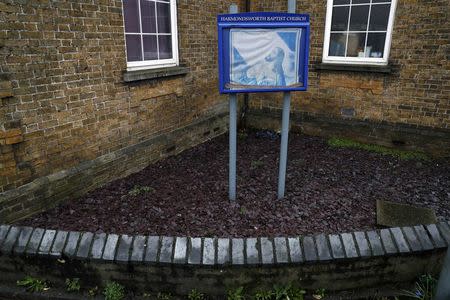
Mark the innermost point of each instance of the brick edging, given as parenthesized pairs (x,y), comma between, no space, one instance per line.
(206,251)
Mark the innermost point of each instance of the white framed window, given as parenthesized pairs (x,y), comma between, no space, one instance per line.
(150,33)
(358,31)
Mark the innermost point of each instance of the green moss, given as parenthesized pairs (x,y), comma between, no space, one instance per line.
(401,154)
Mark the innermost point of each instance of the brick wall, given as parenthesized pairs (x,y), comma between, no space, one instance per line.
(63,98)
(416,92)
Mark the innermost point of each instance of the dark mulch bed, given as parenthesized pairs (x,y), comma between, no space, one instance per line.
(328,190)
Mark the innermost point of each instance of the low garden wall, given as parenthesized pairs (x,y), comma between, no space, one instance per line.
(435,141)
(145,264)
(48,191)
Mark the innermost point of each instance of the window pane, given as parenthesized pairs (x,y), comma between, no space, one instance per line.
(131,15)
(380,1)
(379,17)
(360,1)
(340,18)
(148,17)
(356,42)
(134,51)
(339,2)
(165,46)
(359,17)
(375,45)
(337,44)
(163,17)
(150,47)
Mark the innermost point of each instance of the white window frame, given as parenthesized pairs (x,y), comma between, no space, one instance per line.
(157,63)
(358,60)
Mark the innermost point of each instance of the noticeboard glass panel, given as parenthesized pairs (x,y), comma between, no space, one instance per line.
(263,52)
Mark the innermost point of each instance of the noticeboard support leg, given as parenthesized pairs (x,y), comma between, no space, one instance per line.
(233,135)
(284,144)
(233,147)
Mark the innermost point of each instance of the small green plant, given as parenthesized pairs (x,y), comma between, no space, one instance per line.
(288,292)
(256,164)
(138,190)
(401,154)
(237,294)
(424,288)
(114,291)
(73,285)
(33,284)
(264,295)
(242,135)
(319,294)
(92,292)
(242,210)
(163,296)
(196,295)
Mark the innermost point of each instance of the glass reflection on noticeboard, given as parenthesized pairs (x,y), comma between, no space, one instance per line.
(264,58)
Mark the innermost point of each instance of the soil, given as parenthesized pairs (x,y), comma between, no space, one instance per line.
(328,190)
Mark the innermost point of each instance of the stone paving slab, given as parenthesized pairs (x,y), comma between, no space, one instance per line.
(295,250)
(179,256)
(97,246)
(109,251)
(124,248)
(10,240)
(138,250)
(58,243)
(223,251)
(72,243)
(151,253)
(363,244)
(400,240)
(267,256)
(195,253)
(337,248)
(167,243)
(375,243)
(23,240)
(310,249)
(349,245)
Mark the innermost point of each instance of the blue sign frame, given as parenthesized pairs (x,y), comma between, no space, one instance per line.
(262,20)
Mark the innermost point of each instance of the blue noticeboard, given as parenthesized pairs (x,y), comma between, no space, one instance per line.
(263,52)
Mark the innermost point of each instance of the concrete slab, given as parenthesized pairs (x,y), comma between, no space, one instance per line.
(393,214)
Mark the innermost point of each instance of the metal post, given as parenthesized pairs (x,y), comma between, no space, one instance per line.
(443,288)
(285,129)
(233,134)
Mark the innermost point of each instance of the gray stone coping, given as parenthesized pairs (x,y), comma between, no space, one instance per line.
(208,251)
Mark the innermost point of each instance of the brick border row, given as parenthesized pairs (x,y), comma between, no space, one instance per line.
(28,241)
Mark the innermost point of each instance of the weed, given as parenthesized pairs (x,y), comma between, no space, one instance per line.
(424,288)
(163,296)
(401,154)
(242,135)
(73,285)
(114,291)
(242,210)
(33,284)
(237,294)
(319,294)
(256,164)
(196,295)
(288,292)
(92,292)
(264,295)
(138,190)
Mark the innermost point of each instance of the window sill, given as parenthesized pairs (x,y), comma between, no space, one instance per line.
(130,76)
(353,68)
